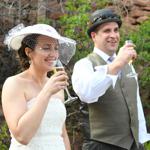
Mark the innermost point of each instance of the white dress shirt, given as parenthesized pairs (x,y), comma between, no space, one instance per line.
(90,85)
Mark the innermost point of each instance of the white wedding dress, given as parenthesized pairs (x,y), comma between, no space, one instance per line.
(48,136)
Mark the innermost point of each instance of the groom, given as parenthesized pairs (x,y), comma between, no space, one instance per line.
(115,112)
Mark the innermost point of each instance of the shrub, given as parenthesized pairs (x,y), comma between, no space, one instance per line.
(4,136)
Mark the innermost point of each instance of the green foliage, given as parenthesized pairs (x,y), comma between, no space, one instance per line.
(45,20)
(147,146)
(143,63)
(75,23)
(4,137)
(141,37)
(82,6)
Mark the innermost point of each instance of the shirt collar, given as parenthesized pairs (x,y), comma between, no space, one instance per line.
(102,54)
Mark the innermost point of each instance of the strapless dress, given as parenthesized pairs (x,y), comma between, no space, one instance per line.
(48,136)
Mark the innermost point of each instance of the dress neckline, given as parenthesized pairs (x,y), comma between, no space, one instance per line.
(33,99)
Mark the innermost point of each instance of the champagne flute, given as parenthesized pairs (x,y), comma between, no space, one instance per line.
(131,74)
(58,66)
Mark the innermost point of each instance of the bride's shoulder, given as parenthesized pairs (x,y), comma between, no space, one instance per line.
(14,81)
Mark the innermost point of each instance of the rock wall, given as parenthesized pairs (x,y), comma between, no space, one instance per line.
(29,12)
(134,12)
(13,12)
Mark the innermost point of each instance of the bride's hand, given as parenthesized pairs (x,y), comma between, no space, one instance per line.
(57,82)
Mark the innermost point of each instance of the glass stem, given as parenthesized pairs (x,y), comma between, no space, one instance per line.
(66,89)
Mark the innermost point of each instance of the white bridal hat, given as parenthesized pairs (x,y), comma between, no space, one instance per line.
(15,36)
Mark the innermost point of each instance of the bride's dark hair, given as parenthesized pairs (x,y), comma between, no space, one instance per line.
(29,41)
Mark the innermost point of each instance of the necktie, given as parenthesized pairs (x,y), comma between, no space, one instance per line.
(110,59)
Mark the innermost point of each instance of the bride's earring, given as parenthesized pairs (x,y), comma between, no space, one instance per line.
(30,62)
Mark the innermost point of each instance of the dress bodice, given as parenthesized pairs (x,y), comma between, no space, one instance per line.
(48,135)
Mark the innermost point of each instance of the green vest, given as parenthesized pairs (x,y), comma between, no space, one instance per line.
(114,118)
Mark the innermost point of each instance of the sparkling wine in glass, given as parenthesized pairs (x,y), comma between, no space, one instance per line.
(131,74)
(58,66)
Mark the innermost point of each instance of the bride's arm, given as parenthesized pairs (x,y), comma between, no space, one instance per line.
(22,122)
(66,138)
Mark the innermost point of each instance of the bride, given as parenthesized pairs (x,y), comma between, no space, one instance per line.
(33,103)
